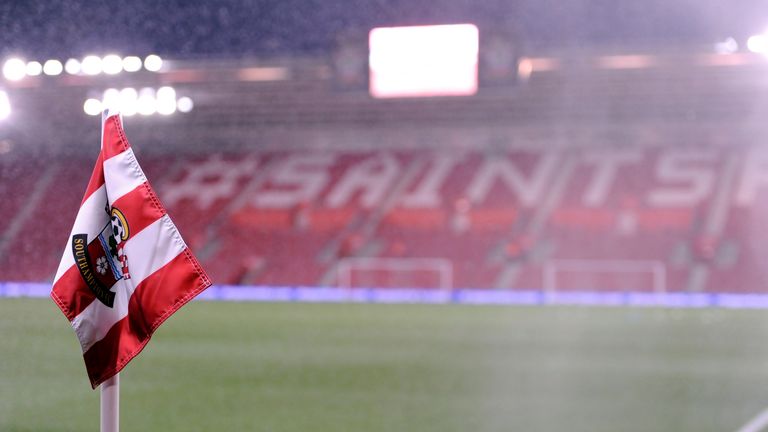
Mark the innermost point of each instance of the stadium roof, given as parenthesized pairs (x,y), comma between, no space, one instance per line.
(235,28)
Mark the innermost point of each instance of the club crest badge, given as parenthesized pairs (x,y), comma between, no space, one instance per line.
(102,260)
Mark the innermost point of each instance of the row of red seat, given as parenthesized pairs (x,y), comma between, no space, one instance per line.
(483,219)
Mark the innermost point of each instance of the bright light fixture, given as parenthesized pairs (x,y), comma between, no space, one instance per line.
(111,98)
(131,64)
(34,68)
(14,69)
(184,104)
(128,101)
(92,107)
(524,69)
(146,101)
(153,63)
(166,100)
(112,64)
(92,65)
(52,67)
(72,66)
(758,44)
(728,46)
(145,104)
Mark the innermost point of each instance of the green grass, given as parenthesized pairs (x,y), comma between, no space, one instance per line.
(313,367)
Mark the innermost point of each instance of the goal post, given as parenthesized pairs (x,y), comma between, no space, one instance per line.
(423,273)
(605,275)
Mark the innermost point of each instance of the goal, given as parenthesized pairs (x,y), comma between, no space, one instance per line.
(424,273)
(605,275)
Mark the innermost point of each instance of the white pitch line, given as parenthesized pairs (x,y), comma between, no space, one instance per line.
(756,424)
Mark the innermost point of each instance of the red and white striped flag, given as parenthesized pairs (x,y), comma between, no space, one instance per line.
(125,268)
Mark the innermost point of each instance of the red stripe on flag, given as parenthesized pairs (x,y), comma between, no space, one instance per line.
(71,293)
(114,141)
(97,179)
(154,300)
(140,210)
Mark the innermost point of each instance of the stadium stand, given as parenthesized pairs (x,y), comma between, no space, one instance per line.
(643,184)
(504,219)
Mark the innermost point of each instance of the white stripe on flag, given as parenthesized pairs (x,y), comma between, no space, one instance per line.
(122,174)
(148,251)
(92,217)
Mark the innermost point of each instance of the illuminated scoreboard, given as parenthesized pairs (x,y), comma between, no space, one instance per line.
(423,61)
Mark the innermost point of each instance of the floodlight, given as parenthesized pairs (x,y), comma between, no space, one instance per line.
(131,64)
(14,69)
(758,44)
(52,67)
(111,98)
(73,66)
(145,104)
(166,100)
(728,46)
(128,101)
(153,63)
(112,64)
(92,107)
(34,68)
(91,65)
(184,104)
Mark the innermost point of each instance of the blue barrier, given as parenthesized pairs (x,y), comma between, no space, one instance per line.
(459,296)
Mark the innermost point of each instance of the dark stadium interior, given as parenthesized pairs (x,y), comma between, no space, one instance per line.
(229,28)
(676,109)
(611,149)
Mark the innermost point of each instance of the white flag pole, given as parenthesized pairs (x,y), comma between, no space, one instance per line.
(110,389)
(110,404)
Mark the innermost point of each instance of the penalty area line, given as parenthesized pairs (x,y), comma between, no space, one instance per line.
(758,423)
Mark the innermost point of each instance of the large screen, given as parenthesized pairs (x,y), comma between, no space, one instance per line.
(423,61)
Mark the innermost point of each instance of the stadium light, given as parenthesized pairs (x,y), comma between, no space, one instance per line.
(111,98)
(166,100)
(184,104)
(33,68)
(758,43)
(92,107)
(728,46)
(131,64)
(52,67)
(5,105)
(524,69)
(145,104)
(72,66)
(112,64)
(14,69)
(91,65)
(153,63)
(128,101)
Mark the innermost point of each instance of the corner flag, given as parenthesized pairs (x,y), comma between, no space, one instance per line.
(125,269)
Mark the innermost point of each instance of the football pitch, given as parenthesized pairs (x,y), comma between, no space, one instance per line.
(361,367)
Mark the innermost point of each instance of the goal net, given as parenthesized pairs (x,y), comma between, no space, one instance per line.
(605,276)
(425,273)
